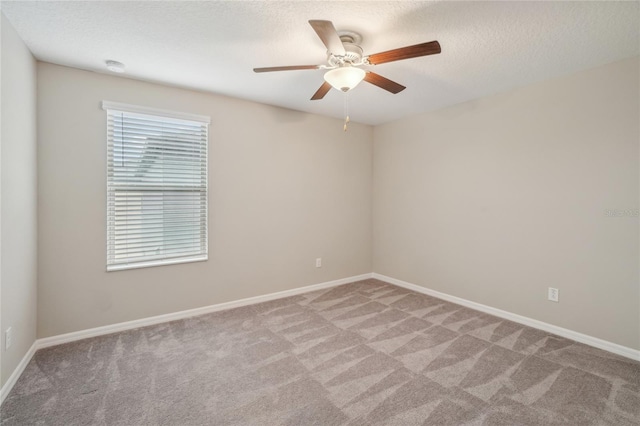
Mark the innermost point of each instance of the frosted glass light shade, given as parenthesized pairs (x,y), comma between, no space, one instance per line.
(344,78)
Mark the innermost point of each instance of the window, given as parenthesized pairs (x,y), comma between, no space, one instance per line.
(156,187)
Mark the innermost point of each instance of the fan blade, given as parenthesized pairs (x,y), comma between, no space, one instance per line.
(329,36)
(424,49)
(383,83)
(323,90)
(289,68)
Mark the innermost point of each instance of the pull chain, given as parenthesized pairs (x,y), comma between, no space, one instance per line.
(346,110)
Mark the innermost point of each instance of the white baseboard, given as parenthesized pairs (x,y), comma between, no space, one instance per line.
(563,332)
(129,325)
(18,372)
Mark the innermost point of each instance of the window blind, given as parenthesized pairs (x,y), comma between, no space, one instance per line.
(156,187)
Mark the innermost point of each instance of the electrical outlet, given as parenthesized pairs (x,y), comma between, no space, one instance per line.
(553,294)
(8,338)
(319,262)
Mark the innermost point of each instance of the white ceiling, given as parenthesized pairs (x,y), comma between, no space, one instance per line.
(487,47)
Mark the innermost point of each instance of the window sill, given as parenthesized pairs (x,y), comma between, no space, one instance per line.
(152,263)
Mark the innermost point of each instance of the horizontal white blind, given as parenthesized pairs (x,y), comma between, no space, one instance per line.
(156,189)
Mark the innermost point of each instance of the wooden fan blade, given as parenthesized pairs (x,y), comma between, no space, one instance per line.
(289,68)
(383,83)
(323,90)
(423,49)
(329,36)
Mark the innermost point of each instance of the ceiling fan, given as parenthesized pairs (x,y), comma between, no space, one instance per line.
(345,57)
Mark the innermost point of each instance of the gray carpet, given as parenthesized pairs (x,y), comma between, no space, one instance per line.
(366,353)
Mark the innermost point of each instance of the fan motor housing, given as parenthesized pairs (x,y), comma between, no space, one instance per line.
(353,51)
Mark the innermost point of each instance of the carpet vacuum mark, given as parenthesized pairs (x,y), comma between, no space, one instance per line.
(366,353)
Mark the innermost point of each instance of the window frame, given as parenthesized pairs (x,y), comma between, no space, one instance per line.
(161,114)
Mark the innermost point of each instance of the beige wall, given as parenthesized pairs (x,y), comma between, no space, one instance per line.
(18,211)
(493,201)
(497,199)
(285,188)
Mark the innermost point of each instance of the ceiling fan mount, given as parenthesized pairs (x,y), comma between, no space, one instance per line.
(347,36)
(345,58)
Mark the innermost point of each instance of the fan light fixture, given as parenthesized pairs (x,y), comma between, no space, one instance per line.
(344,78)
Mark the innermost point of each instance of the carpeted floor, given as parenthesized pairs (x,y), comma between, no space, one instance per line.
(366,353)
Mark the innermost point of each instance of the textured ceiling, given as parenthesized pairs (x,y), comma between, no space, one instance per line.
(487,47)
